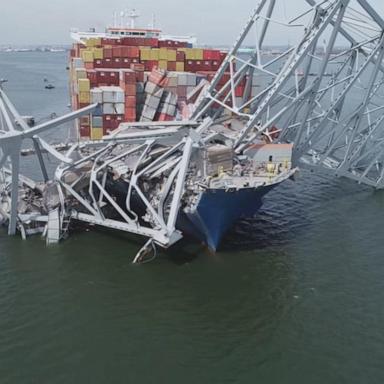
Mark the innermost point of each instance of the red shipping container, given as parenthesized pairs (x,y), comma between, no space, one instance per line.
(215,65)
(165,117)
(106,41)
(85,131)
(216,55)
(211,54)
(157,76)
(130,114)
(88,66)
(92,76)
(137,67)
(190,66)
(125,63)
(124,51)
(108,53)
(98,63)
(130,90)
(171,66)
(133,52)
(207,54)
(107,63)
(111,122)
(150,65)
(207,66)
(108,78)
(154,43)
(128,41)
(136,41)
(180,56)
(129,76)
(117,62)
(139,76)
(224,79)
(181,44)
(239,91)
(83,105)
(130,101)
(182,91)
(117,52)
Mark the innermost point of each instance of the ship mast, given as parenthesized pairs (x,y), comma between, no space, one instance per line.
(133,15)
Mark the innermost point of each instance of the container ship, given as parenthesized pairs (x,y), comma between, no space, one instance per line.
(142,75)
(145,160)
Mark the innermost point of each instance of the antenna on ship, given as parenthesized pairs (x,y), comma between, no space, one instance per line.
(133,15)
(122,16)
(153,21)
(115,19)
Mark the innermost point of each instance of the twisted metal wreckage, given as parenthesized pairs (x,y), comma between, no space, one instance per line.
(149,178)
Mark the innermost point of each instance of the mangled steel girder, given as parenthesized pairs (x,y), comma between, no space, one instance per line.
(324,93)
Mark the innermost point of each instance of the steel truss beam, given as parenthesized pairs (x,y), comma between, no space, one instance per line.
(332,111)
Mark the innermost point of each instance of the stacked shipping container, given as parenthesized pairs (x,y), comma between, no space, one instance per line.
(136,79)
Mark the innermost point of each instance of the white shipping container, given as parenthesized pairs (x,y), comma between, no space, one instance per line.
(173,79)
(152,101)
(169,98)
(108,109)
(191,80)
(113,108)
(96,96)
(190,90)
(171,110)
(113,94)
(183,79)
(119,108)
(148,113)
(151,88)
(78,62)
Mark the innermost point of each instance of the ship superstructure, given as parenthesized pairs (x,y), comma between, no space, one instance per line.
(124,25)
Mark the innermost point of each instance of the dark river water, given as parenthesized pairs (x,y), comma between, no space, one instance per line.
(295,295)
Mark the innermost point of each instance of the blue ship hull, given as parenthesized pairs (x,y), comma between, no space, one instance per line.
(218,210)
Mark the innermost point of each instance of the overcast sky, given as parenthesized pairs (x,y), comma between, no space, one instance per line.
(212,21)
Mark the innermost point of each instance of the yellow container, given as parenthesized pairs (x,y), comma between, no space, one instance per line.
(182,49)
(194,54)
(93,42)
(84,97)
(145,54)
(155,54)
(171,55)
(96,133)
(190,54)
(199,54)
(80,73)
(163,54)
(87,56)
(84,85)
(180,67)
(98,53)
(163,64)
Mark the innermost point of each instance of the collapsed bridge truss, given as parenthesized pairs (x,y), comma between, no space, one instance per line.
(324,93)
